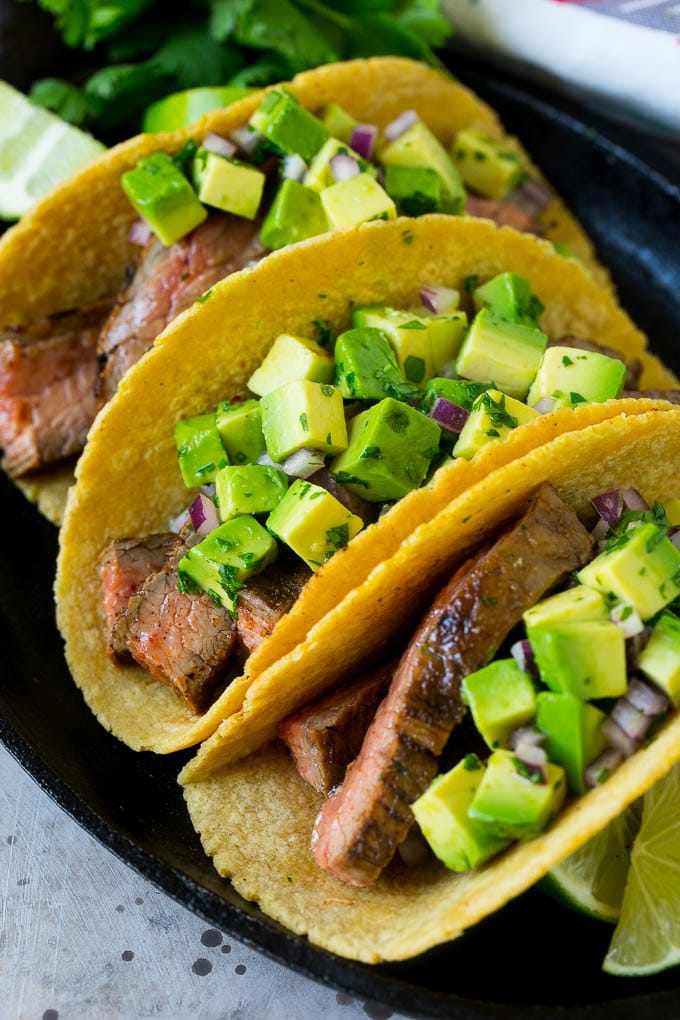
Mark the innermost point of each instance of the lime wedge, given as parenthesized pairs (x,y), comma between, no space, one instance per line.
(647,937)
(37,151)
(180,109)
(593,878)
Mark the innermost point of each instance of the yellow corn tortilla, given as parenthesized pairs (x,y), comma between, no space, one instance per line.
(129,482)
(255,815)
(72,247)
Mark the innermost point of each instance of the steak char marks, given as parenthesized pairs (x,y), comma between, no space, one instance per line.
(48,373)
(165,282)
(360,827)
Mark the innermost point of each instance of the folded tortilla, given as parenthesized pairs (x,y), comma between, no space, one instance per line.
(72,248)
(255,814)
(128,481)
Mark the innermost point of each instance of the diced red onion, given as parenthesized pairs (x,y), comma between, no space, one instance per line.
(535,759)
(265,460)
(216,143)
(600,532)
(363,140)
(632,500)
(532,196)
(618,738)
(293,168)
(526,735)
(179,520)
(401,124)
(602,767)
(209,489)
(545,405)
(609,506)
(627,619)
(450,416)
(632,721)
(439,300)
(523,654)
(303,463)
(140,233)
(343,167)
(413,851)
(634,646)
(203,515)
(647,698)
(246,139)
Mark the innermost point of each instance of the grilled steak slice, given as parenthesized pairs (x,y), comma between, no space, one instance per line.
(181,638)
(504,213)
(633,365)
(266,598)
(360,827)
(124,566)
(325,737)
(672,396)
(47,377)
(165,282)
(355,504)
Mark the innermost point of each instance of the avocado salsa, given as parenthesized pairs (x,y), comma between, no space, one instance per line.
(333,173)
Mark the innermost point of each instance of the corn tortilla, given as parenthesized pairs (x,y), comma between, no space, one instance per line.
(129,483)
(72,248)
(255,815)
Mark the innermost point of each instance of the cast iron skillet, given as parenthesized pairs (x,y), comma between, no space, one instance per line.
(533,959)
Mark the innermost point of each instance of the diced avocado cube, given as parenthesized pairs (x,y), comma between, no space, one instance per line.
(505,353)
(163,197)
(240,428)
(570,606)
(356,200)
(289,358)
(501,697)
(572,377)
(228,184)
(458,391)
(223,562)
(672,508)
(313,523)
(493,417)
(409,335)
(295,214)
(320,174)
(418,147)
(509,296)
(485,165)
(642,567)
(390,449)
(199,449)
(365,365)
(249,489)
(303,414)
(510,805)
(586,658)
(294,130)
(660,658)
(415,190)
(574,732)
(446,336)
(442,814)
(339,123)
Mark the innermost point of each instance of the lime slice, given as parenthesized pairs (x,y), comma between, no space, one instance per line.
(37,151)
(180,109)
(647,937)
(593,878)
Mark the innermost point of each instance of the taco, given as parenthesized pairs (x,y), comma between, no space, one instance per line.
(523,783)
(258,330)
(86,286)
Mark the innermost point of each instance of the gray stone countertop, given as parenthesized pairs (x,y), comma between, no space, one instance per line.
(83,937)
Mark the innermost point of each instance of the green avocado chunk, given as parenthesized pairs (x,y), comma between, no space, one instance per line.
(295,214)
(446,334)
(163,197)
(199,449)
(227,184)
(409,335)
(458,391)
(313,523)
(511,806)
(417,147)
(222,562)
(290,127)
(574,732)
(249,489)
(240,427)
(357,200)
(442,814)
(641,567)
(492,418)
(583,658)
(571,377)
(390,449)
(339,123)
(416,190)
(365,365)
(505,353)
(570,606)
(290,358)
(485,165)
(303,414)
(509,297)
(501,697)
(660,658)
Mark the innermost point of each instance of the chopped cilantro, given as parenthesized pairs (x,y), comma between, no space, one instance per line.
(414,368)
(397,421)
(324,334)
(407,237)
(371,453)
(413,324)
(470,282)
(576,398)
(186,584)
(566,360)
(204,297)
(337,537)
(304,422)
(327,390)
(471,763)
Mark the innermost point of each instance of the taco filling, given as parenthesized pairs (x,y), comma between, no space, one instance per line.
(223,204)
(331,434)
